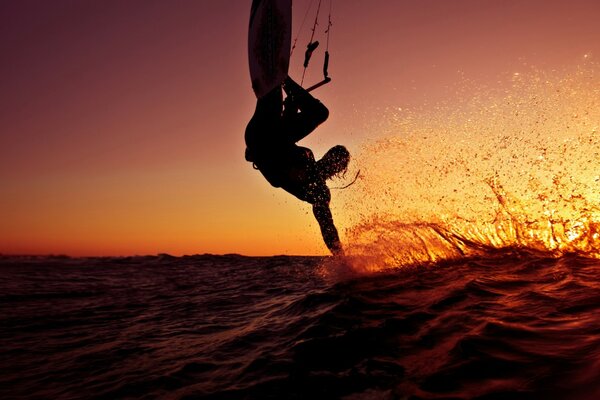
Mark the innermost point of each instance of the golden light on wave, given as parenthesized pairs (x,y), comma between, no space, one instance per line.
(515,166)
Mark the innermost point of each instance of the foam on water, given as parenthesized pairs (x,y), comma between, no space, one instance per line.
(511,166)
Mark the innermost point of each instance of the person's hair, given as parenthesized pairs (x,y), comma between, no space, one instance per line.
(334,162)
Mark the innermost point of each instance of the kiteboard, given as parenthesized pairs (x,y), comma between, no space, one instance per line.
(269,43)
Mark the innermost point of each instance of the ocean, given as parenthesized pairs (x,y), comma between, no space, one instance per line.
(505,324)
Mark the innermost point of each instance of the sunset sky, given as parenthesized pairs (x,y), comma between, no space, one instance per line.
(122,121)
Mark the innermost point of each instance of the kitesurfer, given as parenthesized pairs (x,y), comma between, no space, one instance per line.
(271,137)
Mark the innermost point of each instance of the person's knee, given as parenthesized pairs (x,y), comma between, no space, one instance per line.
(322,113)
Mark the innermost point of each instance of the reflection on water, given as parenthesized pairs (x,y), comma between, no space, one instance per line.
(504,325)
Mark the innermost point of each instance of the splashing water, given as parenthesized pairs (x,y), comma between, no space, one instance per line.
(499,168)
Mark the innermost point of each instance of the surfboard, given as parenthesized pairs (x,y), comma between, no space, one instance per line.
(269,44)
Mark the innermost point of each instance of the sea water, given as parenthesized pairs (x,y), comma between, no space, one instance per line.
(502,325)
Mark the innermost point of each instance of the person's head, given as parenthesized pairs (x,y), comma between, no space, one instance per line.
(334,162)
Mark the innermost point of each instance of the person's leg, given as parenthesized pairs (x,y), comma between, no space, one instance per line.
(312,111)
(271,104)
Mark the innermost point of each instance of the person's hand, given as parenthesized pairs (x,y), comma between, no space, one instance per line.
(290,86)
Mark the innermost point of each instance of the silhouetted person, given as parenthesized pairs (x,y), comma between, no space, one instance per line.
(271,137)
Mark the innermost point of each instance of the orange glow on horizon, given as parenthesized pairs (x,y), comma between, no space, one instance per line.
(123,122)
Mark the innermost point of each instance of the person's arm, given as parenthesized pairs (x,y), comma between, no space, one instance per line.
(328,230)
(312,113)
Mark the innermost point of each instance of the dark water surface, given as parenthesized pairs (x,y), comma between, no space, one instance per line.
(504,326)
